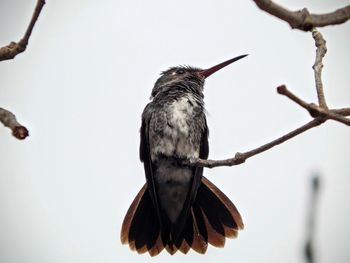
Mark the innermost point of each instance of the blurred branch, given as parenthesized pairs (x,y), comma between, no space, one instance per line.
(14,48)
(302,19)
(9,120)
(309,249)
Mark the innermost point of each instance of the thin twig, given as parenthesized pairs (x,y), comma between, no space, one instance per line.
(13,49)
(320,115)
(312,108)
(284,91)
(321,50)
(9,120)
(302,19)
(242,157)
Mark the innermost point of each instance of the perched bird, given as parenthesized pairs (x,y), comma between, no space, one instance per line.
(178,208)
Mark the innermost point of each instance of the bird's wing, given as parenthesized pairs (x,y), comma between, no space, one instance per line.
(145,157)
(196,182)
(204,148)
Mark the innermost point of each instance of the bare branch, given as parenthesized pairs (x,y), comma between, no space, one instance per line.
(242,157)
(13,49)
(343,111)
(320,115)
(9,52)
(302,19)
(321,50)
(9,120)
(313,109)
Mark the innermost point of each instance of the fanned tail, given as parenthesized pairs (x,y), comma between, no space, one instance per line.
(141,228)
(212,219)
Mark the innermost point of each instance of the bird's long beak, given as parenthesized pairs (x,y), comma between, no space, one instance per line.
(207,72)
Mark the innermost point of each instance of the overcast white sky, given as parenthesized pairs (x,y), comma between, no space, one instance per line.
(82,84)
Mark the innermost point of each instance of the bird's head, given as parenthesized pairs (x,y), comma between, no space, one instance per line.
(187,76)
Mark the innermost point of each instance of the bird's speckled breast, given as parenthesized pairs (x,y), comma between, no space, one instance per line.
(174,129)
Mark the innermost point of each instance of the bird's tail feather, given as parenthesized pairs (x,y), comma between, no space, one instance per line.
(212,218)
(141,228)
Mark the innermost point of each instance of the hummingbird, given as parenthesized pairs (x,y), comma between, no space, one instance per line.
(178,209)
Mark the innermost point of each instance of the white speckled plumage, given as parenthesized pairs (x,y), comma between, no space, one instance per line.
(176,140)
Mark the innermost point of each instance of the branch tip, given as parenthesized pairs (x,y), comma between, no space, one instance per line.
(281,89)
(20,132)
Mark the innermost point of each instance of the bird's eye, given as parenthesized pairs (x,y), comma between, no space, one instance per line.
(180,71)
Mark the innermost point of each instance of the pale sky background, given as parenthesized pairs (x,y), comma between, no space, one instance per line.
(82,84)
